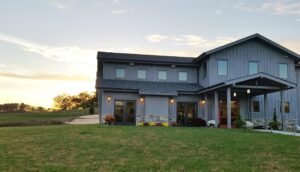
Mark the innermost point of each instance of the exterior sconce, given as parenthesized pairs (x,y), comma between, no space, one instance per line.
(203,102)
(248,91)
(108,99)
(172,101)
(234,94)
(142,100)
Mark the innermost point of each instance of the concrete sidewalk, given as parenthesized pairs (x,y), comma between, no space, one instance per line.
(280,132)
(87,119)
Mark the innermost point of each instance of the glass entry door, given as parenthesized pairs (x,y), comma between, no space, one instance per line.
(186,113)
(235,111)
(124,112)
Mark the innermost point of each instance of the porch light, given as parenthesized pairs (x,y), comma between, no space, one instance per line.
(142,100)
(248,91)
(234,94)
(203,102)
(108,99)
(172,101)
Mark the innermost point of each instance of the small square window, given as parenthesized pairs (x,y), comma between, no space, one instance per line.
(141,74)
(256,107)
(286,106)
(162,75)
(120,73)
(283,70)
(182,76)
(253,68)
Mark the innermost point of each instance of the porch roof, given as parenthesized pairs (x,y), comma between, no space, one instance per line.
(149,88)
(260,82)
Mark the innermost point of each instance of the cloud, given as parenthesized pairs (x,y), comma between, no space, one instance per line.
(56,4)
(3,65)
(156,38)
(45,76)
(119,11)
(272,7)
(67,54)
(293,45)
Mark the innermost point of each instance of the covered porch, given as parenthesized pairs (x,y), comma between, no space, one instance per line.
(227,96)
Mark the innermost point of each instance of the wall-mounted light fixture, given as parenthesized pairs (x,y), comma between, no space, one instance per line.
(203,102)
(248,91)
(108,99)
(142,100)
(171,101)
(234,94)
(131,64)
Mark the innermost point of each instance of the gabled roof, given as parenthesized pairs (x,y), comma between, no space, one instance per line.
(148,88)
(143,58)
(251,37)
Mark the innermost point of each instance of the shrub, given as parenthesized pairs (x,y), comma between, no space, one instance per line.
(91,110)
(199,122)
(145,124)
(239,122)
(159,124)
(274,124)
(109,119)
(174,124)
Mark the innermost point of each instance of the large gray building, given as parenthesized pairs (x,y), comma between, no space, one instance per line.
(251,77)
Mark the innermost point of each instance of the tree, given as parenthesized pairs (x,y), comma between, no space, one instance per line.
(62,102)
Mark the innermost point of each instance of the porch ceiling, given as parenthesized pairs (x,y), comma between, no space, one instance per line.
(258,84)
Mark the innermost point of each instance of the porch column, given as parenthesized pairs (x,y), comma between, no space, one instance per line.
(250,108)
(217,108)
(265,109)
(282,110)
(228,107)
(206,108)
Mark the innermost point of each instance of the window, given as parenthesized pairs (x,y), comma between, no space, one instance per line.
(253,68)
(256,107)
(141,74)
(286,107)
(283,70)
(182,76)
(162,75)
(222,67)
(120,73)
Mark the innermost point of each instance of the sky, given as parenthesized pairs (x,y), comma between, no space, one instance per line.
(49,47)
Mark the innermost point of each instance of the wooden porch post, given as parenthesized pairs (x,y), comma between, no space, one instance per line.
(265,109)
(206,108)
(217,108)
(282,110)
(228,107)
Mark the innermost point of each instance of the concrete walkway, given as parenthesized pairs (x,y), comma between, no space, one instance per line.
(281,132)
(87,119)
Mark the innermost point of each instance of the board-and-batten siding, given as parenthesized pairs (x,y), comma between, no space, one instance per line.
(268,61)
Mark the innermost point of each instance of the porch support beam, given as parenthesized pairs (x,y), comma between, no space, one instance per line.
(206,108)
(216,108)
(228,107)
(265,109)
(282,110)
(256,87)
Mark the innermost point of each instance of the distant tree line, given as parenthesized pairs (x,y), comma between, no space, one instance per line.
(82,100)
(20,107)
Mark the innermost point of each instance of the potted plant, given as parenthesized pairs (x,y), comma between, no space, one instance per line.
(109,119)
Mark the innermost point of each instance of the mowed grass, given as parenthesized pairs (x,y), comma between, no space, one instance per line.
(130,148)
(40,118)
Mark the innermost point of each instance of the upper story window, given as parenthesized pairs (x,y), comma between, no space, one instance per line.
(256,107)
(141,74)
(253,68)
(283,70)
(182,76)
(162,75)
(222,67)
(120,73)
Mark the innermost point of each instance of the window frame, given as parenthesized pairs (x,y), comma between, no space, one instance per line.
(249,62)
(253,109)
(158,75)
(117,72)
(179,76)
(224,60)
(279,73)
(137,74)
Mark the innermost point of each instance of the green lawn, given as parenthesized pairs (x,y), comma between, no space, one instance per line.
(130,148)
(42,118)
